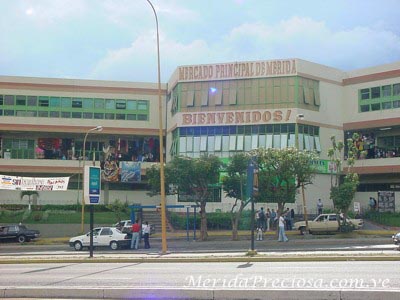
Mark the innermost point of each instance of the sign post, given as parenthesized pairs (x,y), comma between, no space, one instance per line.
(92,182)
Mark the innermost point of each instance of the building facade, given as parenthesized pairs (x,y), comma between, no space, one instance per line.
(218,109)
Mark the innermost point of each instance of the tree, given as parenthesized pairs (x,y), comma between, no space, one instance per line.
(119,208)
(281,172)
(234,185)
(195,179)
(342,192)
(29,194)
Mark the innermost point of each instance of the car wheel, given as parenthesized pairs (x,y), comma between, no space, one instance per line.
(21,239)
(114,245)
(303,230)
(78,246)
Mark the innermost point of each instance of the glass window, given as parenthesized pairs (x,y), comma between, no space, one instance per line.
(261,140)
(182,144)
(247,142)
(284,141)
(375,106)
(189,144)
(121,104)
(269,141)
(66,102)
(99,103)
(254,141)
(31,113)
(225,143)
(8,112)
(131,104)
(232,143)
(54,101)
(364,94)
(387,91)
(142,105)
(203,143)
(196,144)
(141,117)
(98,116)
(109,116)
(1,100)
(301,141)
(76,115)
(43,114)
(396,104)
(317,143)
(364,108)
(88,115)
(54,114)
(120,116)
(110,104)
(210,143)
(396,89)
(386,105)
(32,100)
(9,100)
(277,141)
(375,92)
(65,114)
(76,103)
(88,103)
(240,142)
(21,100)
(292,139)
(218,143)
(131,117)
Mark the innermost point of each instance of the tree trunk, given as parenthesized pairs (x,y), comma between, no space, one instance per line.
(235,219)
(203,221)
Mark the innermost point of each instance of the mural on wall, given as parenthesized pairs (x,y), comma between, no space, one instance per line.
(130,171)
(386,202)
(110,169)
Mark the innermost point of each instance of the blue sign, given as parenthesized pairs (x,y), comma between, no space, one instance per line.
(94,199)
(92,184)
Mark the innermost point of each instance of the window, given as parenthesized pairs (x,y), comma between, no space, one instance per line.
(32,100)
(8,112)
(8,100)
(99,103)
(43,114)
(141,117)
(204,98)
(131,104)
(66,102)
(387,91)
(65,114)
(77,103)
(396,89)
(364,108)
(54,101)
(54,114)
(120,116)
(110,104)
(386,105)
(21,100)
(121,104)
(131,117)
(76,115)
(396,104)
(109,116)
(142,105)
(375,92)
(44,101)
(98,116)
(88,103)
(364,94)
(232,97)
(375,106)
(1,99)
(88,115)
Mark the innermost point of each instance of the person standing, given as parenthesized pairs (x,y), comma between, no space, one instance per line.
(261,219)
(135,235)
(282,236)
(273,218)
(320,206)
(146,234)
(268,216)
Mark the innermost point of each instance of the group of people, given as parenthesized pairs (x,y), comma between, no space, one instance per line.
(267,220)
(136,235)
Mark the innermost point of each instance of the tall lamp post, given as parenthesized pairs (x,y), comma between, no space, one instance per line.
(298,118)
(97,128)
(160,133)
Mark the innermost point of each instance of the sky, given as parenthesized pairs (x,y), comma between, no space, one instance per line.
(116,39)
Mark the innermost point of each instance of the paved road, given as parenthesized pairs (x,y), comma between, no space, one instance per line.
(236,280)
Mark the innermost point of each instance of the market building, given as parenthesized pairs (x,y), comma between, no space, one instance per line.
(218,109)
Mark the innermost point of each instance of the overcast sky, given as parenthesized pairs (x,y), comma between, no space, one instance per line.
(115,39)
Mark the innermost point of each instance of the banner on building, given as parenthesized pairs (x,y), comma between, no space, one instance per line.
(386,201)
(130,171)
(33,183)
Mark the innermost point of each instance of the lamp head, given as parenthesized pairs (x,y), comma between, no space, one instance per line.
(300,116)
(98,128)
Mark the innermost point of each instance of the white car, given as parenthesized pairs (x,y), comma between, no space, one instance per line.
(126,226)
(102,237)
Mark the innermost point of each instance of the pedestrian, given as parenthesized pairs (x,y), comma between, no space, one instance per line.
(146,235)
(268,217)
(320,206)
(372,203)
(288,219)
(261,218)
(259,234)
(273,218)
(282,236)
(135,235)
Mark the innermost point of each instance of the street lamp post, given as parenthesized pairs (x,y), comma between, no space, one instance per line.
(160,133)
(97,128)
(301,117)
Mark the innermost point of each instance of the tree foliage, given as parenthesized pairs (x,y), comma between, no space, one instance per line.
(342,192)
(281,173)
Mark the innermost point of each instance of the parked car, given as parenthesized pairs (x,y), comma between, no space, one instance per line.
(326,223)
(126,226)
(18,232)
(102,237)
(396,239)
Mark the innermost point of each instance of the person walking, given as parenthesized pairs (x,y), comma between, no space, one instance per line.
(135,235)
(282,236)
(146,234)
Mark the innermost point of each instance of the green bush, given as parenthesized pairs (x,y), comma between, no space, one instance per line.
(384,218)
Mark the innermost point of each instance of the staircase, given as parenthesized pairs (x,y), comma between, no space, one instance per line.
(154,218)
